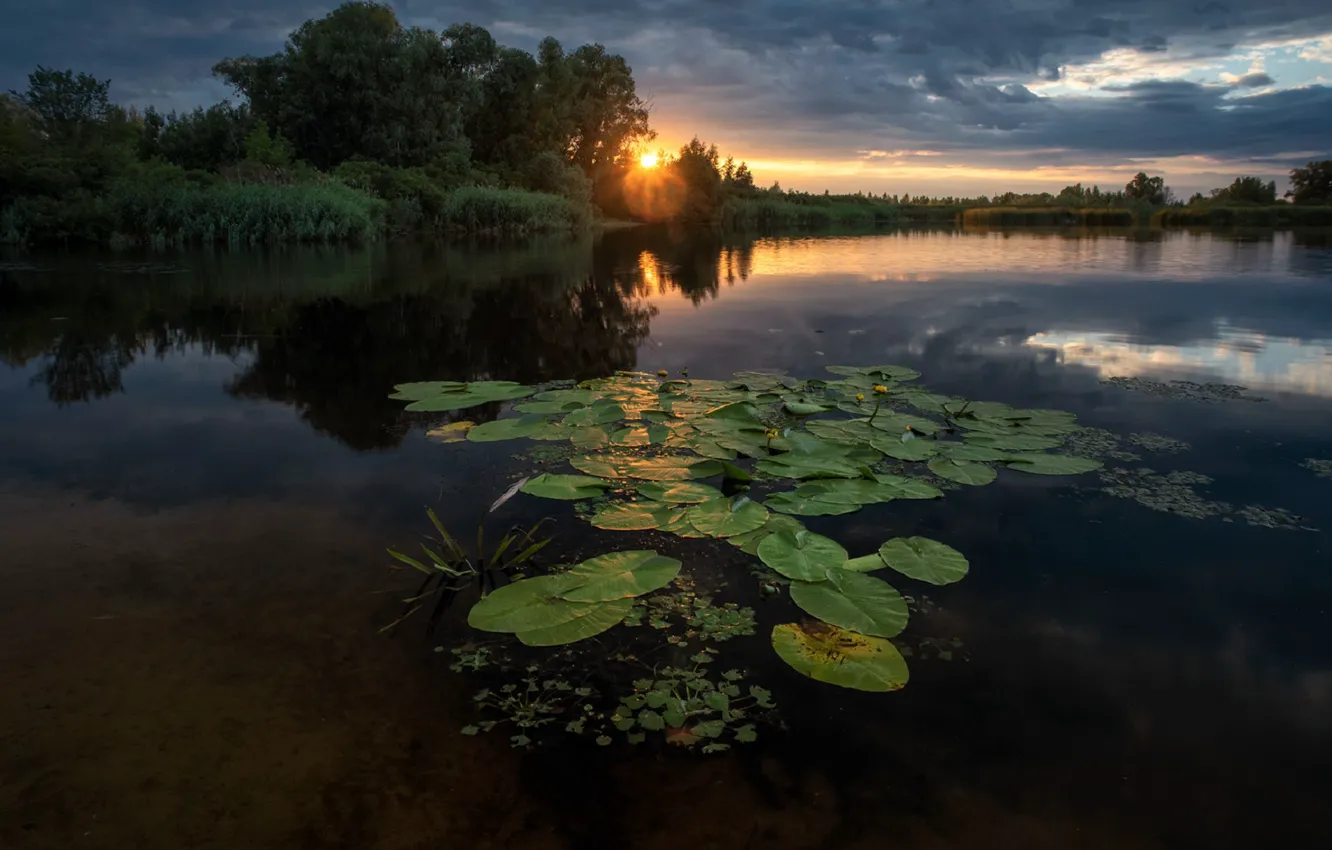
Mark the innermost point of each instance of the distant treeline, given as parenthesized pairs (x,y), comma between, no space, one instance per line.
(361,127)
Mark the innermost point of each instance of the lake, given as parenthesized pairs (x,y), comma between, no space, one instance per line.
(200,471)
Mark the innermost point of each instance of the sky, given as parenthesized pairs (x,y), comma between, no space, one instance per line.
(936,96)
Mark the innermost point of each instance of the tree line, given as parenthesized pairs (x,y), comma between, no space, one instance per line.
(361,126)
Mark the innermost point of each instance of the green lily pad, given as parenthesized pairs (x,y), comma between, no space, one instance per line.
(924,559)
(548,407)
(589,437)
(973,452)
(449,395)
(908,488)
(602,412)
(855,601)
(789,503)
(912,450)
(749,541)
(529,604)
(839,657)
(963,472)
(1043,464)
(727,517)
(858,492)
(678,524)
(801,555)
(507,429)
(851,432)
(620,575)
(896,423)
(549,486)
(803,408)
(602,617)
(807,466)
(681,493)
(631,516)
(581,397)
(1011,442)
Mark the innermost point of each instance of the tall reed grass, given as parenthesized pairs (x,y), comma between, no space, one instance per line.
(479,209)
(1275,215)
(761,214)
(1047,217)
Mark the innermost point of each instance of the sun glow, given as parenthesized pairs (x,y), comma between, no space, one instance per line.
(648,160)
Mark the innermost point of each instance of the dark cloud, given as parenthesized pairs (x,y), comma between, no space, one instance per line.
(814,79)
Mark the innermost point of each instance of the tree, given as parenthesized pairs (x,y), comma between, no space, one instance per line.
(698,170)
(69,107)
(1150,189)
(1312,184)
(609,121)
(1247,190)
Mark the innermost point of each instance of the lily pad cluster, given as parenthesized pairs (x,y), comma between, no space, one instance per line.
(699,458)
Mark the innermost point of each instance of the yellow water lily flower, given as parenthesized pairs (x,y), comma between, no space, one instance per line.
(880,389)
(860,396)
(661,373)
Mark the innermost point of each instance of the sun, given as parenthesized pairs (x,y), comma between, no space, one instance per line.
(648,160)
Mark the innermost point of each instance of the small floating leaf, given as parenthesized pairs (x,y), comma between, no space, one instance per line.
(632,516)
(1043,464)
(684,493)
(852,600)
(802,408)
(864,564)
(570,487)
(726,518)
(912,450)
(450,395)
(507,429)
(790,503)
(829,654)
(454,432)
(924,559)
(801,555)
(601,413)
(748,542)
(963,472)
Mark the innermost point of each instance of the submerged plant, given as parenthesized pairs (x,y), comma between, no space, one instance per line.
(689,707)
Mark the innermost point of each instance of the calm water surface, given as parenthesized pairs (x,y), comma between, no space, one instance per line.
(199,471)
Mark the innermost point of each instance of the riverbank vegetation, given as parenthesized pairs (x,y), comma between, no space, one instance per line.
(361,128)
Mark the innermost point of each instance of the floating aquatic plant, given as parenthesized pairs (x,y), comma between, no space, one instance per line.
(669,454)
(1321,468)
(1186,390)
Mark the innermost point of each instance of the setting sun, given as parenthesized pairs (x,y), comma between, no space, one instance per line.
(648,160)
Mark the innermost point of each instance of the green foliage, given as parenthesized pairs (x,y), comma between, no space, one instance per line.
(1311,184)
(1306,214)
(1247,190)
(1047,216)
(690,707)
(1149,189)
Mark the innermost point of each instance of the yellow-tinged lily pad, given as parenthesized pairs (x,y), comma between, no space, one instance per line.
(839,657)
(604,616)
(621,575)
(454,432)
(681,493)
(632,516)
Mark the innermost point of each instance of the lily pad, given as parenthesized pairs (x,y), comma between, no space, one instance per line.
(668,468)
(749,541)
(632,516)
(855,601)
(838,657)
(682,493)
(908,488)
(973,452)
(807,466)
(727,517)
(602,617)
(857,492)
(789,503)
(963,472)
(570,487)
(601,413)
(924,559)
(912,450)
(801,555)
(450,395)
(529,604)
(1043,464)
(507,429)
(620,575)
(1011,442)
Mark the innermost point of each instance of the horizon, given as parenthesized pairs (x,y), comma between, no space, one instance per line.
(906,97)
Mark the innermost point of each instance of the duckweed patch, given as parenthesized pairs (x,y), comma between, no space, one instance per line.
(1157,443)
(1170,493)
(1183,390)
(1272,518)
(1321,468)
(1098,443)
